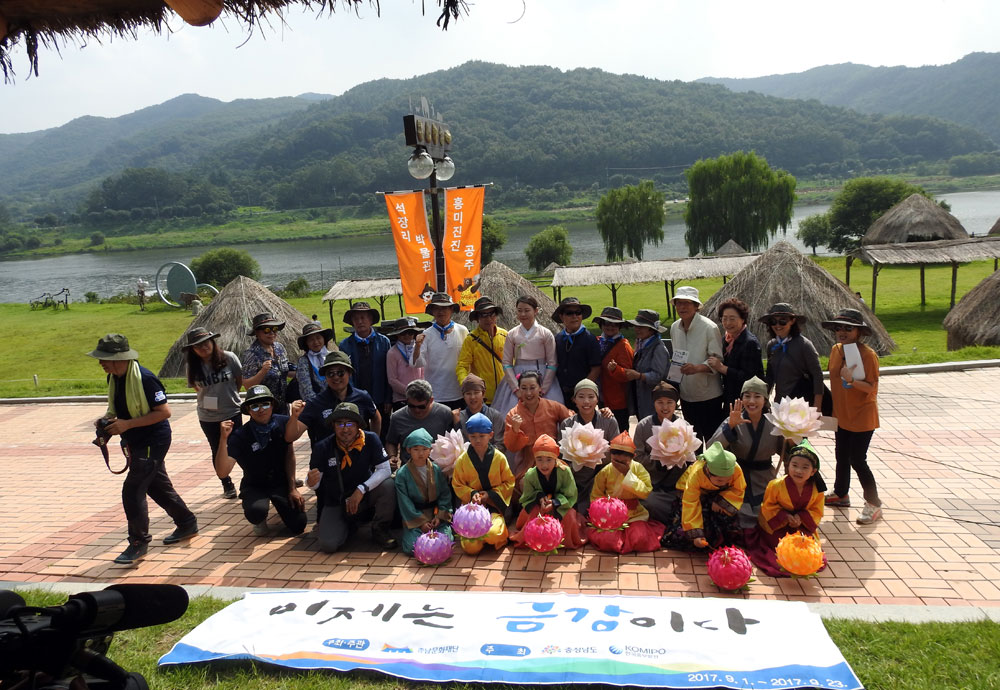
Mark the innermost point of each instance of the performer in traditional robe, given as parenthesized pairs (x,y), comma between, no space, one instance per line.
(422,492)
(712,494)
(483,476)
(550,489)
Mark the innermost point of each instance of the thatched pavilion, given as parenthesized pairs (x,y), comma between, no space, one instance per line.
(503,285)
(975,320)
(783,274)
(995,230)
(914,219)
(730,247)
(230,314)
(46,22)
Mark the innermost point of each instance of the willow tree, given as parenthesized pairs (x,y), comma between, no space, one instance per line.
(628,218)
(736,197)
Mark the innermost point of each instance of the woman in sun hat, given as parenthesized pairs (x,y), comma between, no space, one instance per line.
(217,376)
(616,359)
(793,369)
(482,351)
(313,343)
(855,405)
(407,336)
(265,362)
(649,363)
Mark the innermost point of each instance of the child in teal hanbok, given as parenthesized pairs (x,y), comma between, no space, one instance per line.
(422,492)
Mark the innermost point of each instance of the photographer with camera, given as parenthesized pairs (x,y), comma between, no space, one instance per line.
(138,412)
(267,460)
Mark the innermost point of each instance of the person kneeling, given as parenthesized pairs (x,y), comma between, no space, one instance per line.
(483,476)
(350,473)
(422,491)
(712,491)
(267,460)
(550,489)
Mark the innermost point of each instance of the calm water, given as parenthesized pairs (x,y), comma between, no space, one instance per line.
(323,262)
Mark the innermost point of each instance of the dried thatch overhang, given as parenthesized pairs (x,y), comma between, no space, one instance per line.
(381,289)
(670,271)
(50,22)
(952,252)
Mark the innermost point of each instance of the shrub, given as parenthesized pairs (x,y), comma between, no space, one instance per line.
(219,267)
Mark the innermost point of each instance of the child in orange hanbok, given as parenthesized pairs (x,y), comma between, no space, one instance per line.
(628,480)
(793,503)
(550,489)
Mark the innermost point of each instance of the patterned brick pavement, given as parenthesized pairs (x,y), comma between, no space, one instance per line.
(938,452)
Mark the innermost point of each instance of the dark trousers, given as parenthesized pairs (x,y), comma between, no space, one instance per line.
(213,433)
(621,416)
(852,453)
(705,416)
(147,476)
(335,525)
(257,500)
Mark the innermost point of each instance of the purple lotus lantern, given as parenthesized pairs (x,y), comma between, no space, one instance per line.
(472,521)
(432,548)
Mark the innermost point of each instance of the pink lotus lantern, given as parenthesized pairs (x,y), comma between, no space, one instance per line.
(472,521)
(673,443)
(543,534)
(583,445)
(608,513)
(447,448)
(794,419)
(729,568)
(432,548)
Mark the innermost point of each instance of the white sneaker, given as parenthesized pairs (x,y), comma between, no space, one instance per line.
(261,529)
(869,514)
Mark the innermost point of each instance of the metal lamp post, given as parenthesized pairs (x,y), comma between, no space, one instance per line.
(431,142)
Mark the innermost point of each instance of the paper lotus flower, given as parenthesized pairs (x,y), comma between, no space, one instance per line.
(447,448)
(543,534)
(433,548)
(472,521)
(673,443)
(729,568)
(800,554)
(794,419)
(608,513)
(583,445)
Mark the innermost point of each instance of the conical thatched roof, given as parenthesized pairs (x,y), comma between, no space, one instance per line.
(230,314)
(975,320)
(782,274)
(730,247)
(995,230)
(501,284)
(914,219)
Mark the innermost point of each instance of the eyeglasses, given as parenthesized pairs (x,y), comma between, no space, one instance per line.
(780,322)
(260,406)
(574,312)
(414,406)
(840,327)
(268,329)
(332,373)
(343,423)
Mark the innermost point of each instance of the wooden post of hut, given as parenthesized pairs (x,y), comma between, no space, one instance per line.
(875,269)
(954,281)
(333,324)
(848,260)
(614,294)
(923,293)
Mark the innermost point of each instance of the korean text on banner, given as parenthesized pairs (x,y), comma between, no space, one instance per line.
(463,240)
(414,249)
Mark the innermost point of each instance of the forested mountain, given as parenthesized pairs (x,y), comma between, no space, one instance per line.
(69,160)
(525,126)
(966,91)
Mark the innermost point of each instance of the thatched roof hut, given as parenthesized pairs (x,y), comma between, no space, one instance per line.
(995,230)
(914,219)
(230,314)
(975,320)
(782,274)
(730,247)
(501,284)
(46,22)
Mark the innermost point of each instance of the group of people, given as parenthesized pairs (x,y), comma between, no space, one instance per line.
(374,406)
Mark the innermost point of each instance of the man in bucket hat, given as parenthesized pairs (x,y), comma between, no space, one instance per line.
(442,345)
(268,463)
(482,351)
(138,411)
(367,350)
(314,415)
(266,362)
(350,474)
(578,356)
(700,385)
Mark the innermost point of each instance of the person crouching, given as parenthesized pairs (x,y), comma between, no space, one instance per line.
(351,476)
(712,491)
(550,489)
(267,460)
(422,491)
(483,476)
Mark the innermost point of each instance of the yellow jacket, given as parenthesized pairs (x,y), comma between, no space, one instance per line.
(629,488)
(474,358)
(694,482)
(465,480)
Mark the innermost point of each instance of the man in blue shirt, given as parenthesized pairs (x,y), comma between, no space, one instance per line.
(138,412)
(314,415)
(578,354)
(367,350)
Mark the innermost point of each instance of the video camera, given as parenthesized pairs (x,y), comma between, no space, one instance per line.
(56,646)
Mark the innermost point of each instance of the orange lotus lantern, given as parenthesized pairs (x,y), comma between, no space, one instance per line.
(800,554)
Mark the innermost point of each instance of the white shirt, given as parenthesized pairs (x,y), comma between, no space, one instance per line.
(439,358)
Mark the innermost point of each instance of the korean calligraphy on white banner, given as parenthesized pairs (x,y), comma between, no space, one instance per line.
(529,638)
(463,230)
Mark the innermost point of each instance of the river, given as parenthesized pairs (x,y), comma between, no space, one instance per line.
(322,262)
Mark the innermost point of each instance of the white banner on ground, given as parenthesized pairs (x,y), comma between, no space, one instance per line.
(528,638)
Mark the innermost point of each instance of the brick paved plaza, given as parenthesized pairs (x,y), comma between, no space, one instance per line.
(61,518)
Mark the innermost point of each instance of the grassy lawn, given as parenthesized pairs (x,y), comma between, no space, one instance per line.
(52,344)
(885,656)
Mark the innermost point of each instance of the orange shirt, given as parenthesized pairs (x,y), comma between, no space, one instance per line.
(855,410)
(546,420)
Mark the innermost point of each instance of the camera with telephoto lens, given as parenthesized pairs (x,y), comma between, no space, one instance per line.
(66,646)
(103,435)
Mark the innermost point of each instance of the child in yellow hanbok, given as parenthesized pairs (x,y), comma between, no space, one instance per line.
(483,476)
(712,491)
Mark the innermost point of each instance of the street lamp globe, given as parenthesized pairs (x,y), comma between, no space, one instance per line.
(445,168)
(420,165)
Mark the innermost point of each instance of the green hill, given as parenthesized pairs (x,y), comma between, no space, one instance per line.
(966,91)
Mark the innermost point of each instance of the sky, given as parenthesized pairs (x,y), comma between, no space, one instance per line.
(661,39)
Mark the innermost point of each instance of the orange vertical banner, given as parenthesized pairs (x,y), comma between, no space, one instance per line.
(463,241)
(414,248)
